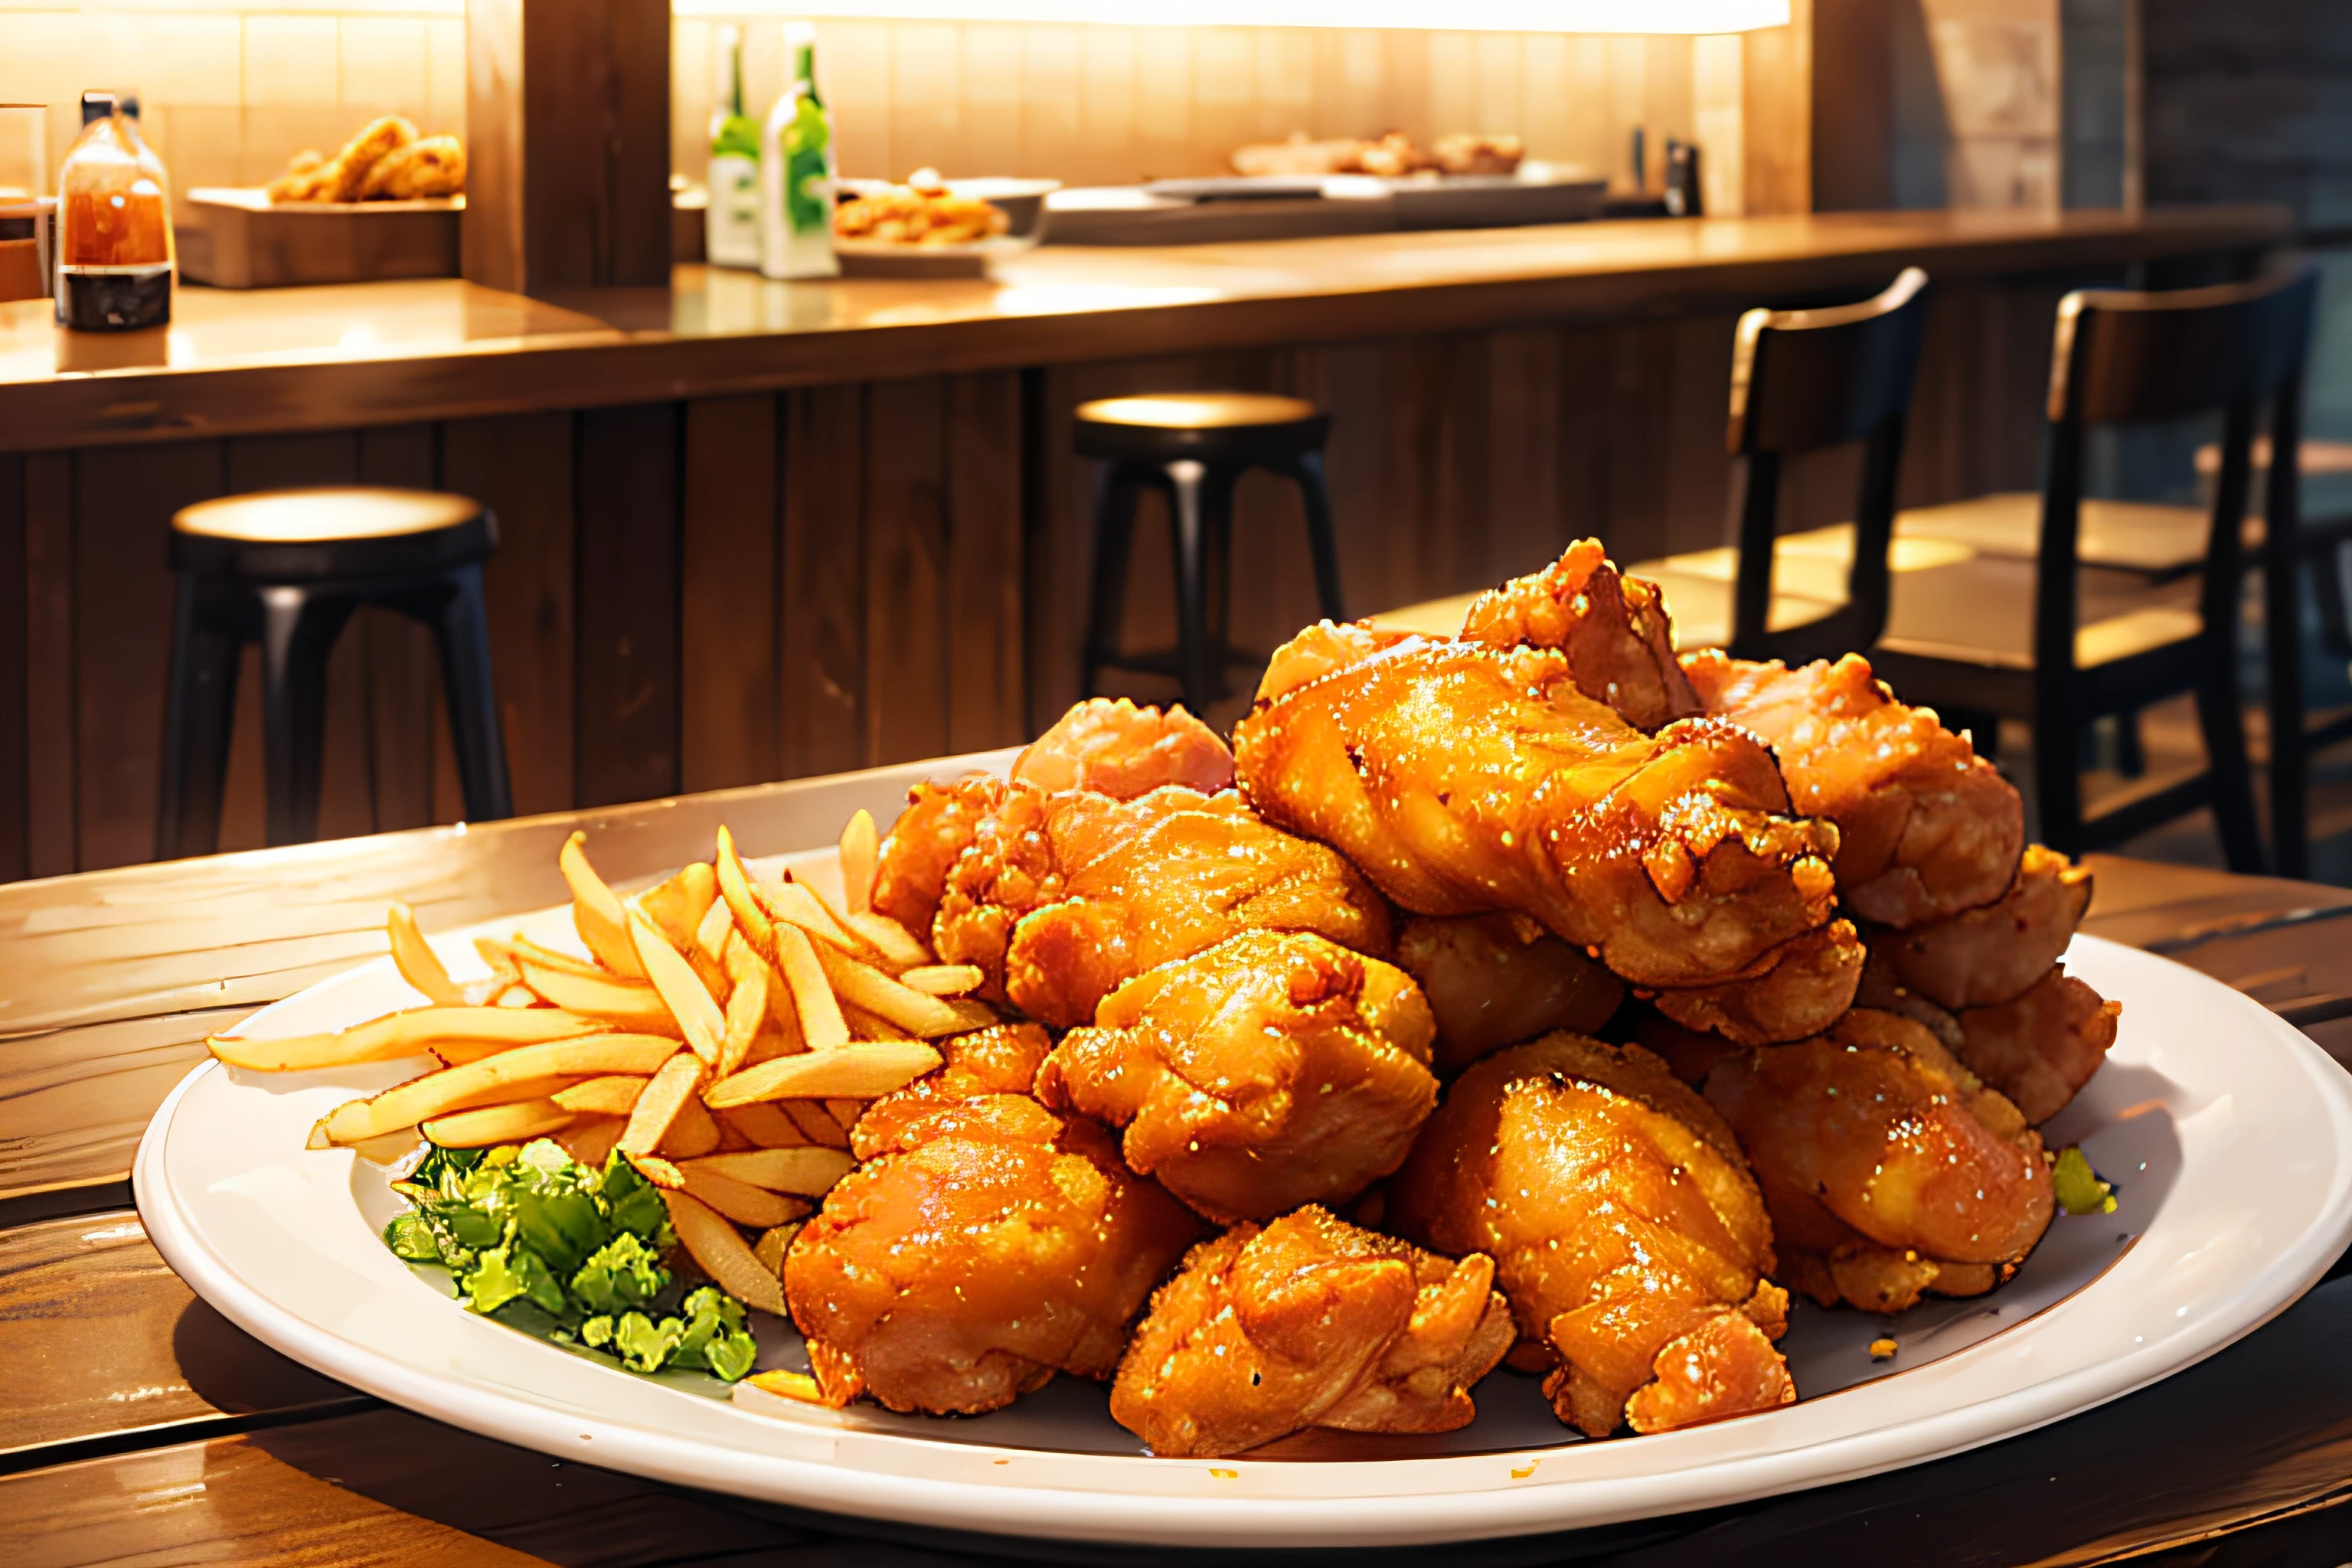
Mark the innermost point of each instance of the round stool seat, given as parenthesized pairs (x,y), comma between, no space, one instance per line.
(327,533)
(1240,426)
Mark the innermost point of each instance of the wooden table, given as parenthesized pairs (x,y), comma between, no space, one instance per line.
(136,1423)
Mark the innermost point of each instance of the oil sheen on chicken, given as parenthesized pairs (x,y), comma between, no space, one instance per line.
(1500,979)
(1466,780)
(1275,1070)
(1992,955)
(1872,1142)
(984,1244)
(1625,1230)
(1308,1322)
(1062,898)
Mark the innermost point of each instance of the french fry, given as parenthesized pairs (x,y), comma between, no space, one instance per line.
(856,1071)
(681,988)
(657,1171)
(518,950)
(773,1243)
(693,1131)
(633,1005)
(407,1104)
(784,1036)
(815,1123)
(764,1124)
(813,1007)
(714,1244)
(808,1172)
(793,903)
(546,1088)
(845,1112)
(499,955)
(740,1201)
(797,1386)
(676,906)
(735,888)
(710,936)
(597,911)
(418,962)
(398,1035)
(674,1084)
(943,979)
(924,1016)
(590,1139)
(614,1094)
(514,1123)
(898,947)
(859,847)
(747,1009)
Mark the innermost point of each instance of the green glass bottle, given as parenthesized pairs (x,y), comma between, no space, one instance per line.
(796,172)
(732,225)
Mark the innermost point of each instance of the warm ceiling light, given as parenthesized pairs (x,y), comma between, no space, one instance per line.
(1480,16)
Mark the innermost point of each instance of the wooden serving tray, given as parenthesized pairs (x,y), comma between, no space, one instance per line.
(239,238)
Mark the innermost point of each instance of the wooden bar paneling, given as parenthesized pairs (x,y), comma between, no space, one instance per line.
(824,677)
(985,563)
(904,707)
(49,782)
(16,584)
(522,468)
(731,595)
(626,739)
(123,504)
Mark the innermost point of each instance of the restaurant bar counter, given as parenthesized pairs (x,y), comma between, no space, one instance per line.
(754,530)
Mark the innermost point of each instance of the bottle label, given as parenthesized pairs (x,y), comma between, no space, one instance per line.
(808,171)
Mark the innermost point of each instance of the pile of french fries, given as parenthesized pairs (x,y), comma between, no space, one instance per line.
(725,1035)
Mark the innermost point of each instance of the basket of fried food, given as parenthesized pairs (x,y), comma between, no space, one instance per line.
(386,162)
(1530,996)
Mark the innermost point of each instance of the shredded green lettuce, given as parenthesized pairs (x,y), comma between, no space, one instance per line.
(2078,1187)
(570,1253)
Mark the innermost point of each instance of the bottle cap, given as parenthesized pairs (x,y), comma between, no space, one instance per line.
(129,101)
(95,106)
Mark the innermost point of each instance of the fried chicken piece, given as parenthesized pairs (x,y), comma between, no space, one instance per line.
(1927,828)
(1614,630)
(1809,985)
(302,180)
(430,166)
(1308,1322)
(1624,1226)
(984,1244)
(1497,979)
(923,847)
(1062,898)
(1118,748)
(1992,955)
(344,177)
(1464,779)
(1275,1070)
(1875,1133)
(2039,1049)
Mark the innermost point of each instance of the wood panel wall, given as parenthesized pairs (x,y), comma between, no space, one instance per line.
(697,595)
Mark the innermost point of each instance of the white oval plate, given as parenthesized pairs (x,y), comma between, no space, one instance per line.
(2229,1132)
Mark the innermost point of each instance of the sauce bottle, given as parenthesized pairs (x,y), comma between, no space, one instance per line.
(796,172)
(731,222)
(114,226)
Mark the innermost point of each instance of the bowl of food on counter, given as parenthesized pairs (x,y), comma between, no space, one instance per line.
(932,227)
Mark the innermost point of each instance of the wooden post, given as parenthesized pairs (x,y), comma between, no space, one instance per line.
(567,118)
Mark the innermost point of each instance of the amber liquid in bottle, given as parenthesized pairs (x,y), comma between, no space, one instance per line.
(114,229)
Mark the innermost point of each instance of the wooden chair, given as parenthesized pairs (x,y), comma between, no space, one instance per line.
(2058,641)
(1802,381)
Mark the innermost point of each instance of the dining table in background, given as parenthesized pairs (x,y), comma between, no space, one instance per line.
(137,1424)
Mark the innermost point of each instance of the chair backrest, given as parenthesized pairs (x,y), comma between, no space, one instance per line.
(1801,380)
(2121,358)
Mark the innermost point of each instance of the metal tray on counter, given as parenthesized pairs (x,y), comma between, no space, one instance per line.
(1239,207)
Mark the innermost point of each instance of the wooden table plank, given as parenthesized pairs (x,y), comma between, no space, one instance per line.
(105,1343)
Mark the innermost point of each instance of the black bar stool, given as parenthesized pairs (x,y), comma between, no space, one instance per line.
(286,569)
(1192,447)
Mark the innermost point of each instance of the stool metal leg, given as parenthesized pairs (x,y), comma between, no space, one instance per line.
(462,627)
(1190,486)
(299,628)
(1308,469)
(1115,495)
(200,704)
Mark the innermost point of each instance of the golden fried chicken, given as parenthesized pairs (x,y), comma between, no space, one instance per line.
(2039,1048)
(1275,1070)
(984,1244)
(1992,955)
(1497,980)
(1062,898)
(939,823)
(1625,1230)
(1614,630)
(1807,984)
(428,166)
(1874,1137)
(1927,828)
(1464,779)
(1308,1322)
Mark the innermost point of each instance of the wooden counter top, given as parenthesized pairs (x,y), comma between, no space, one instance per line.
(296,359)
